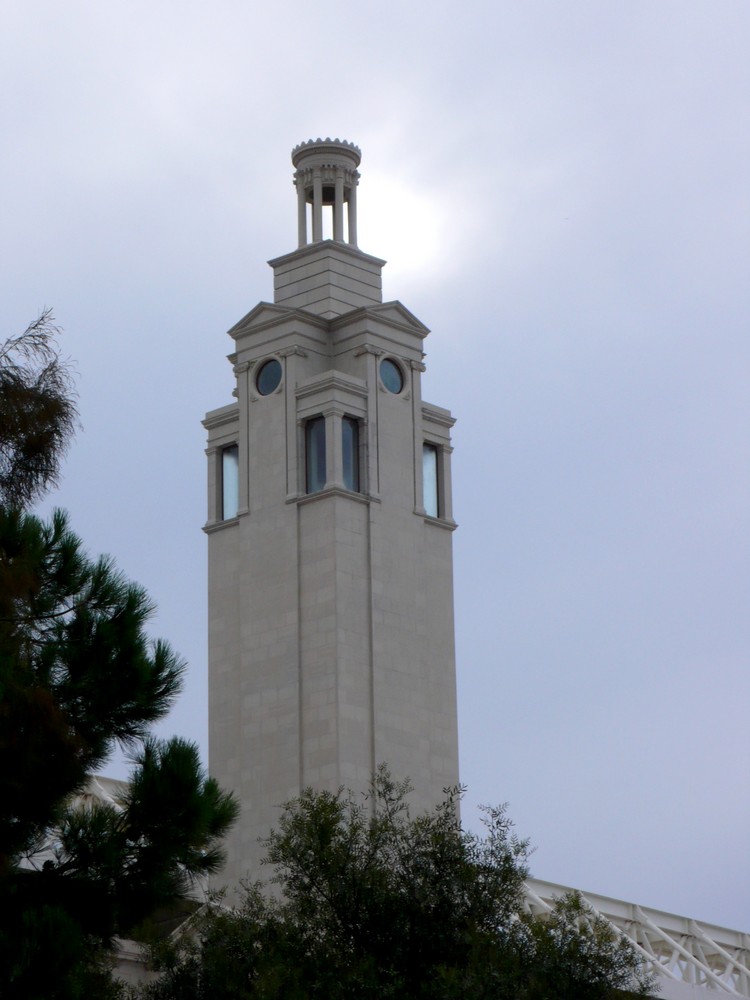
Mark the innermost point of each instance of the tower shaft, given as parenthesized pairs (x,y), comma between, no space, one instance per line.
(330,569)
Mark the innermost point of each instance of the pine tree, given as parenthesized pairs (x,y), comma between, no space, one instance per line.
(78,677)
(37,411)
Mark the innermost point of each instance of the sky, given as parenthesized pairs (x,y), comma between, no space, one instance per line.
(561,190)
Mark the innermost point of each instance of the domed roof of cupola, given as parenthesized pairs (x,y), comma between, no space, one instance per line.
(322,150)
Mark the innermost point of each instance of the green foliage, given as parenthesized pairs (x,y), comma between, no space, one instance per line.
(574,954)
(373,903)
(77,672)
(79,676)
(37,412)
(147,853)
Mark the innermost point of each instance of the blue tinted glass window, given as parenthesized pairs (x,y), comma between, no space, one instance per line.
(269,377)
(315,454)
(390,376)
(350,453)
(230,481)
(430,479)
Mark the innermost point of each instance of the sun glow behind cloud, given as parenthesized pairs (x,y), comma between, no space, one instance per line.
(406,226)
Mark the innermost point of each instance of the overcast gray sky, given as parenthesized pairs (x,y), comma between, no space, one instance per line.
(561,190)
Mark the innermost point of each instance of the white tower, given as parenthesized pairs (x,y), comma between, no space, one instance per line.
(329,533)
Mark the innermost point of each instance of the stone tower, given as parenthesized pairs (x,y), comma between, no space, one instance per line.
(329,532)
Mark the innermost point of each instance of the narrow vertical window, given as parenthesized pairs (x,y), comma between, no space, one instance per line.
(315,454)
(350,453)
(230,481)
(430,480)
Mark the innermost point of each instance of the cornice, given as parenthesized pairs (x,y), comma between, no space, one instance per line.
(334,144)
(219,418)
(437,415)
(325,247)
(332,380)
(393,314)
(253,322)
(333,491)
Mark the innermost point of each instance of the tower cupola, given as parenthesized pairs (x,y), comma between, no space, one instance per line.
(326,175)
(327,275)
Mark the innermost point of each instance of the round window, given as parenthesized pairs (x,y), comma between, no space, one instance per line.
(269,377)
(391,376)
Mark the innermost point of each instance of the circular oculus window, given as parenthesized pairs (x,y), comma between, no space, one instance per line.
(391,376)
(268,377)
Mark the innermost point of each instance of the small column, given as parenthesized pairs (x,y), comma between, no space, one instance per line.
(445,457)
(214,485)
(338,206)
(317,209)
(322,165)
(353,211)
(294,447)
(301,213)
(243,371)
(333,449)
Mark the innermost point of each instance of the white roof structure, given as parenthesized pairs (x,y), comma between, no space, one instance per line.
(101,789)
(690,958)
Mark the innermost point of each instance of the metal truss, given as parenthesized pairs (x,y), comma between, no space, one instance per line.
(100,789)
(688,957)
